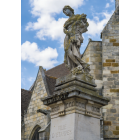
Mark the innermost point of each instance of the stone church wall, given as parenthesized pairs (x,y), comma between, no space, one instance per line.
(32,118)
(117,3)
(22,132)
(110,57)
(103,58)
(93,56)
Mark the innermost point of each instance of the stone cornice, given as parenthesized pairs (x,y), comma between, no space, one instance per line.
(74,94)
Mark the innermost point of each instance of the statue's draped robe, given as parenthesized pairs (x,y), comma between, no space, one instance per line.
(73,28)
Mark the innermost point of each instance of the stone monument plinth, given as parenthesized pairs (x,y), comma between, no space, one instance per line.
(75,108)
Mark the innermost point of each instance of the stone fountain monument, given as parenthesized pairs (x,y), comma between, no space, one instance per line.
(75,104)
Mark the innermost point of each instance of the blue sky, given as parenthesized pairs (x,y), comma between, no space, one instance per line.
(42,31)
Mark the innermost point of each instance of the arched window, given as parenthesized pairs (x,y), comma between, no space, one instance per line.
(35,134)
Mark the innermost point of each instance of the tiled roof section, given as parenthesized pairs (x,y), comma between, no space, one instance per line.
(25,99)
(51,83)
(58,71)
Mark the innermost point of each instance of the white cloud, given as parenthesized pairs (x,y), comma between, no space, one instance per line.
(107,5)
(111,0)
(46,58)
(31,79)
(96,18)
(96,27)
(46,25)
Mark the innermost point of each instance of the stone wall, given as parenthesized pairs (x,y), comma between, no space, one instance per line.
(93,56)
(110,60)
(22,131)
(32,119)
(117,3)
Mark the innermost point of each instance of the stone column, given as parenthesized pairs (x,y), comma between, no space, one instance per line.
(75,109)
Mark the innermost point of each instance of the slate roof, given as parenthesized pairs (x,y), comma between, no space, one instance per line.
(53,74)
(51,83)
(58,71)
(25,99)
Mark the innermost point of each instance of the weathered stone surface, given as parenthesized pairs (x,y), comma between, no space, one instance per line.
(114,72)
(111,118)
(106,127)
(115,54)
(73,28)
(111,79)
(64,127)
(116,82)
(83,77)
(67,84)
(116,132)
(74,109)
(94,50)
(110,60)
(106,64)
(113,110)
(115,64)
(110,54)
(32,118)
(107,122)
(108,133)
(87,59)
(112,40)
(115,44)
(114,90)
(117,127)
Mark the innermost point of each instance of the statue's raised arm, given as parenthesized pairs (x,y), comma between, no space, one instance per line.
(73,28)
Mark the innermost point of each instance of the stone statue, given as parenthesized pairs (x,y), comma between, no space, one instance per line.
(73,28)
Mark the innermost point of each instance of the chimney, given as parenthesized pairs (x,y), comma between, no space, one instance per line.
(117,3)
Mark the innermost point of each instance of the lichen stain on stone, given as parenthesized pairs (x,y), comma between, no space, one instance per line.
(117,127)
(116,132)
(87,59)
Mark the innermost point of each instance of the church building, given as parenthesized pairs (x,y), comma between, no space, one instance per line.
(103,57)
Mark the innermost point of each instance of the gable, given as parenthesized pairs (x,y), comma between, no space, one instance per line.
(113,20)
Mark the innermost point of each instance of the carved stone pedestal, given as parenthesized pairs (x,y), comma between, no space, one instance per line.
(75,109)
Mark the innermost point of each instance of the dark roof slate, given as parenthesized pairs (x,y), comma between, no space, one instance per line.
(25,99)
(58,71)
(51,83)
